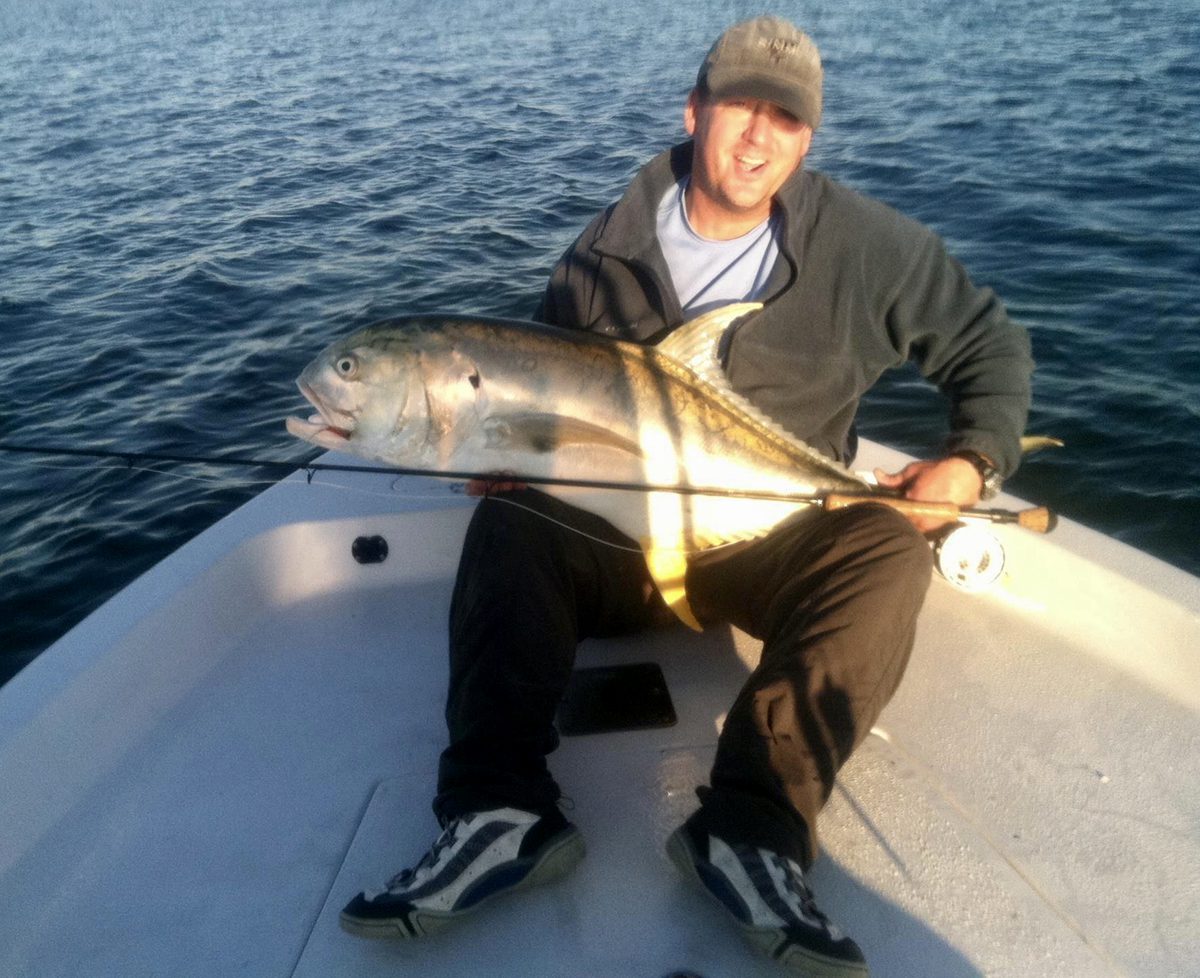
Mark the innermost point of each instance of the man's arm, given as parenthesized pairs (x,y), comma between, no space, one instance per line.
(962,339)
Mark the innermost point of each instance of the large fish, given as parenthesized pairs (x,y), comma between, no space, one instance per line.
(483,395)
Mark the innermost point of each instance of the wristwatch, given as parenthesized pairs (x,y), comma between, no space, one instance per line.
(992,479)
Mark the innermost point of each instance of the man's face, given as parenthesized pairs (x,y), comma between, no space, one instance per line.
(745,149)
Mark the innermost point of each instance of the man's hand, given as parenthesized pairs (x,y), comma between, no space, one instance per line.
(948,480)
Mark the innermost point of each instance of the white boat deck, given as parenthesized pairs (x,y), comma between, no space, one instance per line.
(194,780)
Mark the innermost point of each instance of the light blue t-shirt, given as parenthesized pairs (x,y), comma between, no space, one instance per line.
(706,273)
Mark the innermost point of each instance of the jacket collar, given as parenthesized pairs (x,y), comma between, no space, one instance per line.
(630,231)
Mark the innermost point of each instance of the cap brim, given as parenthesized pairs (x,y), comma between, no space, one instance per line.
(801,102)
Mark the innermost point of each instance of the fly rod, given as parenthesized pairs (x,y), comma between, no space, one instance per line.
(1038,519)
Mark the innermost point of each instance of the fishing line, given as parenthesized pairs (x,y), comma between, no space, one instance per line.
(165,473)
(565,526)
(211,480)
(224,483)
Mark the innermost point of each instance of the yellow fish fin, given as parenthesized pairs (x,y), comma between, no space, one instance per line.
(697,342)
(1035,443)
(668,568)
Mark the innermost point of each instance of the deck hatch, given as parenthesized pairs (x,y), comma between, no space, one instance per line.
(606,699)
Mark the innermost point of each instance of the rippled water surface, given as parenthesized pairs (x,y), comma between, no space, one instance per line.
(194,198)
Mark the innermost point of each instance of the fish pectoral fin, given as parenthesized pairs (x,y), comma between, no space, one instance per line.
(668,569)
(547,432)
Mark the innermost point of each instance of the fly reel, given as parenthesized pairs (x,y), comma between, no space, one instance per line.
(969,557)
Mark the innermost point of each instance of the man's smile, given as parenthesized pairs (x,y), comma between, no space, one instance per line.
(750,163)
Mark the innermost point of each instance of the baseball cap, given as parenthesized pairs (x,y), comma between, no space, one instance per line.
(766,58)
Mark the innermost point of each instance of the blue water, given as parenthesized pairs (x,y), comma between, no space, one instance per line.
(194,198)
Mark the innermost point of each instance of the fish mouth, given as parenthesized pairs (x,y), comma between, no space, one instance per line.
(328,428)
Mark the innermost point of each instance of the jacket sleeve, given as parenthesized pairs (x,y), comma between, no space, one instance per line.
(568,297)
(962,339)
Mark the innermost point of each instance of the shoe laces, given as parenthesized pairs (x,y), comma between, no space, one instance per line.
(798,893)
(406,877)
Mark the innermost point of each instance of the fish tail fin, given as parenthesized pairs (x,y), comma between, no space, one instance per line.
(668,569)
(1036,443)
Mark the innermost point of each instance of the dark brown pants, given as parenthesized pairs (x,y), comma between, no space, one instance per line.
(834,599)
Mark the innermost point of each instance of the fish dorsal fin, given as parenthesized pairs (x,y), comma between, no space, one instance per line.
(529,431)
(696,344)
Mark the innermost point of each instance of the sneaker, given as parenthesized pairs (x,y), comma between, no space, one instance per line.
(768,896)
(476,858)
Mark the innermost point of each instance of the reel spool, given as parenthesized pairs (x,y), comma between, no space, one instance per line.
(969,557)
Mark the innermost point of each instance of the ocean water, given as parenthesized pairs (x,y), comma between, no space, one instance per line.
(194,198)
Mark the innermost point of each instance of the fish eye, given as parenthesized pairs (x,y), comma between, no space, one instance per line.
(346,366)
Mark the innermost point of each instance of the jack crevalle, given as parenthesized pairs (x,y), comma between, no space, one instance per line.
(491,396)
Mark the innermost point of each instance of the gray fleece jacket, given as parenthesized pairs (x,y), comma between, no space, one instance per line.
(858,289)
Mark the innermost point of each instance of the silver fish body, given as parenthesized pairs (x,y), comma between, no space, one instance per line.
(479,395)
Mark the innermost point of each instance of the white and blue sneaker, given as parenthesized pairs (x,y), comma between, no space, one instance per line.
(772,903)
(476,858)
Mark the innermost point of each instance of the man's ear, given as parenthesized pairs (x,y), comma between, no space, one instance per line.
(808,133)
(689,112)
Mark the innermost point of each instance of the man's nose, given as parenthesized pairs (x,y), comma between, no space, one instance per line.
(758,126)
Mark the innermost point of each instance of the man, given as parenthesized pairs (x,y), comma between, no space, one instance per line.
(850,288)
